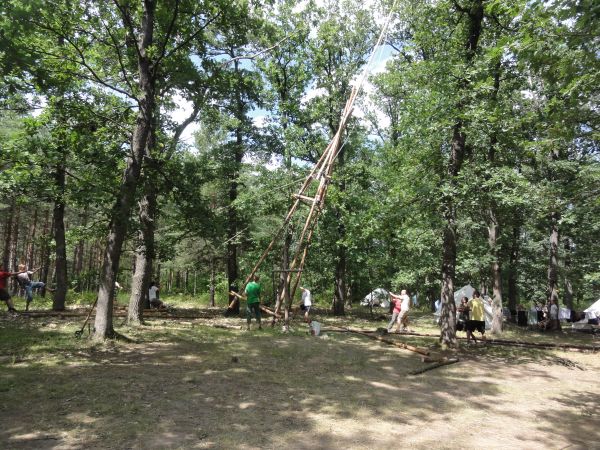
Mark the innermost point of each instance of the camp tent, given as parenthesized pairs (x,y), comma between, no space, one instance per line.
(591,312)
(377,297)
(467,291)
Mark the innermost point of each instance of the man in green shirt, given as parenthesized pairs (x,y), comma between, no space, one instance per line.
(253,303)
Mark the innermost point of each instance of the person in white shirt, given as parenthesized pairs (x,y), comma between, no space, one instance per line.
(153,296)
(404,308)
(24,279)
(306,303)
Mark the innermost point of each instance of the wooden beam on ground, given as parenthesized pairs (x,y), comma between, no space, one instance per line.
(439,363)
(401,345)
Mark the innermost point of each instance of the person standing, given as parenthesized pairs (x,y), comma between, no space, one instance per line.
(25,281)
(396,302)
(306,303)
(153,296)
(553,322)
(477,319)
(252,292)
(405,307)
(4,295)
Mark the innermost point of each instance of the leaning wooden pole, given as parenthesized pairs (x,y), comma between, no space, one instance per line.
(322,172)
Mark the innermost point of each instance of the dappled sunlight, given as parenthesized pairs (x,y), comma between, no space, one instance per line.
(207,388)
(378,384)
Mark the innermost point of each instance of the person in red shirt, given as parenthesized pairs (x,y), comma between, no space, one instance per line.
(4,295)
(395,300)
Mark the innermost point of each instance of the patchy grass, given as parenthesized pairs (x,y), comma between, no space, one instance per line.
(186,384)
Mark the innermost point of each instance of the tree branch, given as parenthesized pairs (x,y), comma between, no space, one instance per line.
(128,23)
(119,56)
(163,49)
(186,42)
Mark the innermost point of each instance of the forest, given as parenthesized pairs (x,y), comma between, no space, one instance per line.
(164,152)
(164,140)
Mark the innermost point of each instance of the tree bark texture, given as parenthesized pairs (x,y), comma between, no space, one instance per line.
(144,256)
(233,219)
(474,16)
(120,213)
(493,233)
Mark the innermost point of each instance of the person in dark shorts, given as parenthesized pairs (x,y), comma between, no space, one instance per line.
(252,292)
(476,320)
(4,295)
(306,303)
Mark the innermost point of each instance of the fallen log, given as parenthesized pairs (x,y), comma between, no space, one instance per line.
(401,345)
(544,345)
(440,363)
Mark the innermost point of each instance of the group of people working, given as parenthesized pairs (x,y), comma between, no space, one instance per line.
(24,280)
(253,298)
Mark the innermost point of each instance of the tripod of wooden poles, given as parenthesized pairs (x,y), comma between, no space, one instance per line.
(320,175)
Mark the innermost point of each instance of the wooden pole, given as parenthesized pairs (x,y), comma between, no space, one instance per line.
(387,341)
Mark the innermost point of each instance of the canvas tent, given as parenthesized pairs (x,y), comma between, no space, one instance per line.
(377,297)
(593,311)
(467,291)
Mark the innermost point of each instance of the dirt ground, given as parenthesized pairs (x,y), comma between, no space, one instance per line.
(183,383)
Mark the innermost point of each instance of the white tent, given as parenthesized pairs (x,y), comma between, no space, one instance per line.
(377,297)
(467,291)
(592,312)
(594,308)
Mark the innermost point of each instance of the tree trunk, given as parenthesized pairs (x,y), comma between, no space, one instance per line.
(448,310)
(456,157)
(120,214)
(493,224)
(60,294)
(144,256)
(232,226)
(553,259)
(493,233)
